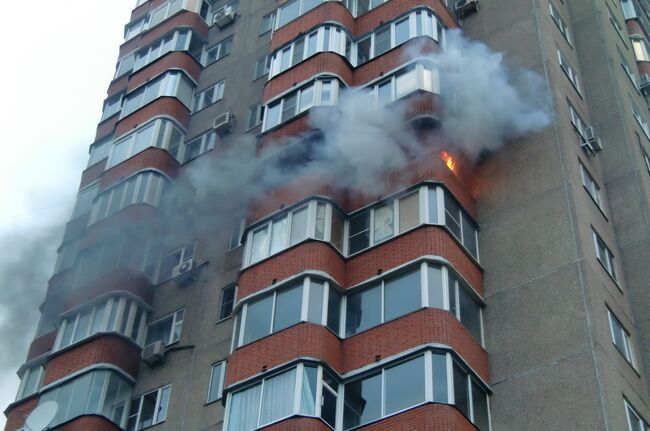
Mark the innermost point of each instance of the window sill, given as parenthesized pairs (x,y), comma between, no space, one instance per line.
(634,368)
(618,286)
(600,209)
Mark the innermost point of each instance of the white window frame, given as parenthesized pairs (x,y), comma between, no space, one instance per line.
(591,186)
(199,101)
(140,400)
(25,377)
(569,71)
(606,261)
(219,394)
(629,410)
(219,47)
(626,350)
(560,23)
(176,322)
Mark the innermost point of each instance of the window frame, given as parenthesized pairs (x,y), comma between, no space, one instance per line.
(560,23)
(607,261)
(626,350)
(569,71)
(27,374)
(222,375)
(591,187)
(199,101)
(629,410)
(223,315)
(175,322)
(219,47)
(140,400)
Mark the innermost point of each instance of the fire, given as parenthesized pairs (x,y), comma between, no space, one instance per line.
(449,160)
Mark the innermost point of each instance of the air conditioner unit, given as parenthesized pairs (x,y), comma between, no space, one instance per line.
(225,17)
(153,353)
(644,84)
(465,7)
(185,271)
(592,141)
(223,123)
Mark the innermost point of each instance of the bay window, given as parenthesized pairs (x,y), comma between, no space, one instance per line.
(319,92)
(170,84)
(99,151)
(30,381)
(117,314)
(159,133)
(142,188)
(179,40)
(97,392)
(112,106)
(406,81)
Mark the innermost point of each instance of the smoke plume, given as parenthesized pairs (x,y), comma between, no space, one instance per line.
(485,105)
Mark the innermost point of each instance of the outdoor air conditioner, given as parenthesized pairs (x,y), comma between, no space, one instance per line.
(185,272)
(465,7)
(644,84)
(224,17)
(223,123)
(153,353)
(592,141)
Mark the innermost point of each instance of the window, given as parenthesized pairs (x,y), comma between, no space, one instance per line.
(591,186)
(559,21)
(629,9)
(216,381)
(617,25)
(168,329)
(255,116)
(112,106)
(227,301)
(463,305)
(568,71)
(578,123)
(639,118)
(218,51)
(605,256)
(160,133)
(262,67)
(66,255)
(99,151)
(621,338)
(149,409)
(30,382)
(276,397)
(236,230)
(200,145)
(209,96)
(175,259)
(628,70)
(132,29)
(634,420)
(404,82)
(459,223)
(292,9)
(170,84)
(640,49)
(278,234)
(310,300)
(470,398)
(267,23)
(360,7)
(117,314)
(85,198)
(142,188)
(646,158)
(180,40)
(98,392)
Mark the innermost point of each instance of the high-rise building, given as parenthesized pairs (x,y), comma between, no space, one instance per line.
(256,247)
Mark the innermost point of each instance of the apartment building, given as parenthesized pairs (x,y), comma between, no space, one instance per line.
(211,278)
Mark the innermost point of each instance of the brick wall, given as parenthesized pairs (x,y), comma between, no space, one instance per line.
(89,423)
(169,106)
(41,345)
(109,349)
(92,173)
(150,158)
(172,60)
(315,255)
(17,414)
(298,424)
(428,325)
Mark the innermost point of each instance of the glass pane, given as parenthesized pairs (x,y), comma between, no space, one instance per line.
(402,31)
(243,403)
(334,310)
(363,51)
(470,313)
(440,389)
(162,408)
(285,58)
(312,45)
(359,227)
(469,235)
(452,215)
(159,331)
(83,326)
(287,308)
(310,4)
(148,410)
(79,395)
(405,385)
(402,295)
(328,407)
(363,310)
(382,41)
(259,245)
(320,221)
(385,93)
(479,402)
(95,392)
(299,225)
(298,51)
(279,234)
(362,401)
(277,397)
(120,151)
(66,338)
(98,319)
(326,96)
(306,98)
(337,230)
(460,390)
(273,115)
(215,382)
(289,106)
(435,287)
(116,199)
(308,391)
(405,83)
(144,139)
(315,307)
(384,222)
(409,211)
(288,12)
(258,319)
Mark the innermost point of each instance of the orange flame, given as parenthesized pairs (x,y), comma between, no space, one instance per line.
(449,160)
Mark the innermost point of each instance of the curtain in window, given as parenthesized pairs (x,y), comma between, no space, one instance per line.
(308,391)
(243,409)
(277,400)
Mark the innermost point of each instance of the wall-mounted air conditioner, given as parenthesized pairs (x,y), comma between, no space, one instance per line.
(225,17)
(465,7)
(154,353)
(185,272)
(223,123)
(591,142)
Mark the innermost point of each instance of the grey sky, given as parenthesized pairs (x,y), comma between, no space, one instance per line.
(55,74)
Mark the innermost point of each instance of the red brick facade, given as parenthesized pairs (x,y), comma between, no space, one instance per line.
(108,349)
(89,423)
(427,325)
(41,345)
(17,413)
(169,106)
(152,157)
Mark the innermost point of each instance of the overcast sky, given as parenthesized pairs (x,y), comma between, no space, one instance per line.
(59,58)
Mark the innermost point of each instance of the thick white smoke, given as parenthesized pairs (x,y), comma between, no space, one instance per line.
(485,105)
